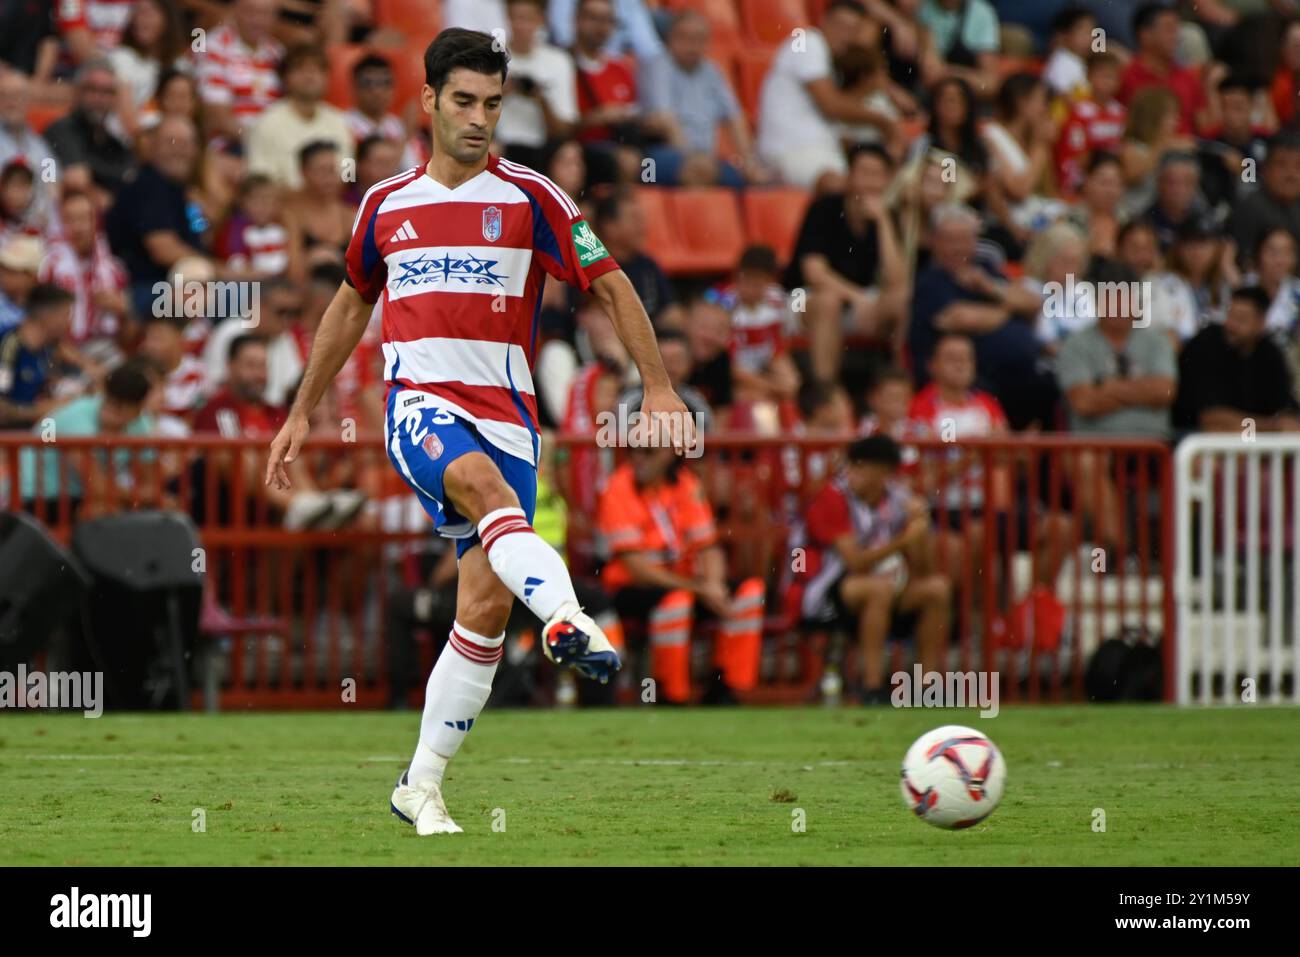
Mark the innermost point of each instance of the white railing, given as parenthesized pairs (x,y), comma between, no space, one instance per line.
(1237,577)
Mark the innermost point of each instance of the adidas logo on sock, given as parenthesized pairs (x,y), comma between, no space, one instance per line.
(460,725)
(530,586)
(404,232)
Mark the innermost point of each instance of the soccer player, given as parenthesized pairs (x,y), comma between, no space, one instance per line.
(456,254)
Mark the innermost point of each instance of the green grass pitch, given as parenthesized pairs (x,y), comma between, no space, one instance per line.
(647,786)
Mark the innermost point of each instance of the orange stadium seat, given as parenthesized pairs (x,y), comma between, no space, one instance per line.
(751,68)
(39,117)
(342,58)
(408,72)
(708,221)
(769,22)
(665,244)
(773,217)
(415,18)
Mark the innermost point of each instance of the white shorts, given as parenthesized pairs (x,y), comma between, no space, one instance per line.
(803,165)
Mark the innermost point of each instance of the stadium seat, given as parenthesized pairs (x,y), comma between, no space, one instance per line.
(342,58)
(1007,65)
(408,72)
(708,222)
(769,22)
(751,69)
(42,116)
(415,18)
(663,241)
(773,217)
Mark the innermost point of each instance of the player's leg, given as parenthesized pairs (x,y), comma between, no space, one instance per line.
(478,488)
(458,688)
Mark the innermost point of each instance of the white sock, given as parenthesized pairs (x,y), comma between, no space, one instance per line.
(529,567)
(458,689)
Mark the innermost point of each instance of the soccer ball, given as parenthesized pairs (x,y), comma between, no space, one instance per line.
(953,777)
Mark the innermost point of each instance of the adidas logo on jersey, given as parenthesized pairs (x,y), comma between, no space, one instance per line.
(404,232)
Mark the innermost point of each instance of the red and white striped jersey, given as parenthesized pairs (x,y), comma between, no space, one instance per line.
(458,275)
(233,74)
(84,278)
(105,19)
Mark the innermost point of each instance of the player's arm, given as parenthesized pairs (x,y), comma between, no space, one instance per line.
(613,290)
(340,330)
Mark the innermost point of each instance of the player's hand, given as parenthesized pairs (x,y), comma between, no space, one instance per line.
(669,418)
(285,449)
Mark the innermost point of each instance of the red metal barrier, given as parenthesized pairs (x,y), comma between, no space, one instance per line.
(333,587)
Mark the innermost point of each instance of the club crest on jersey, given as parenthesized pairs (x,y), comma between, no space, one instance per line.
(491,224)
(432,446)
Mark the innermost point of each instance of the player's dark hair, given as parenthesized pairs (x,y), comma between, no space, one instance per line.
(46,297)
(1148,13)
(1069,18)
(127,383)
(759,258)
(241,342)
(371,61)
(459,49)
(310,150)
(878,448)
(1256,296)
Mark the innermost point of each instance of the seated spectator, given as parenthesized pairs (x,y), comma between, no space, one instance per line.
(1094,124)
(1119,380)
(620,224)
(800,104)
(966,35)
(1275,261)
(849,261)
(826,412)
(869,555)
(239,72)
(611,116)
(1097,211)
(177,94)
(277,137)
(1178,198)
(280,308)
(1193,290)
(1019,143)
(373,91)
(19,212)
(634,30)
(1056,264)
(680,366)
(79,261)
(761,322)
(152,226)
(185,381)
(1150,134)
(1238,138)
(90,153)
(1156,26)
(1233,375)
(255,243)
(20,263)
(318,217)
(1137,248)
(687,86)
(708,335)
(1067,67)
(239,410)
(664,557)
(541,93)
(377,158)
(18,141)
(27,358)
(954,129)
(151,43)
(957,292)
(95,483)
(1277,201)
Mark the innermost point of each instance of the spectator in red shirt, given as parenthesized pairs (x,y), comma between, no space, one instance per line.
(239,70)
(238,411)
(1094,124)
(869,555)
(1156,27)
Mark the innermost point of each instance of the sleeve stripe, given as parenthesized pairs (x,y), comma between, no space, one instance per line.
(523,172)
(361,208)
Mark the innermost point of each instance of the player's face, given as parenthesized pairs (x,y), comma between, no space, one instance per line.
(465,112)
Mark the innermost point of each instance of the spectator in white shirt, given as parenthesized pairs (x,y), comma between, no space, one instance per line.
(1066,72)
(800,103)
(541,102)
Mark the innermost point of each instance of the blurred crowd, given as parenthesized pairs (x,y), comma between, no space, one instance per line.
(975,171)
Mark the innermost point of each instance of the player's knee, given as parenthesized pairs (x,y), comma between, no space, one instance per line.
(476,487)
(486,614)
